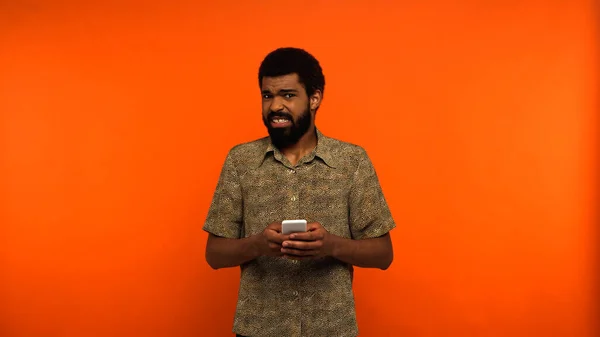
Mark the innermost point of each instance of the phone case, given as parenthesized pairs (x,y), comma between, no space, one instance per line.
(293,226)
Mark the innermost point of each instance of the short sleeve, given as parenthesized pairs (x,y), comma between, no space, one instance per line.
(369,214)
(225,214)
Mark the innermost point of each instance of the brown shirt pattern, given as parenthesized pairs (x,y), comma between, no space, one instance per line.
(335,185)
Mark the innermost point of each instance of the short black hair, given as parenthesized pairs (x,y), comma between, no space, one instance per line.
(289,60)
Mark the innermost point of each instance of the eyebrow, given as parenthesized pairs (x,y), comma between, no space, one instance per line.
(282,91)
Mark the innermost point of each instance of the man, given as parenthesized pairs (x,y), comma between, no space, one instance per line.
(298,284)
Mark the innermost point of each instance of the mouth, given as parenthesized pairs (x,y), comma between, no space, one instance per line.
(280,122)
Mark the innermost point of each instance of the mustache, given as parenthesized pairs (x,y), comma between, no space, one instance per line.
(274,114)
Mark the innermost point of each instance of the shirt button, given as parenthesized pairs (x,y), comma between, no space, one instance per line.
(290,171)
(294,198)
(295,293)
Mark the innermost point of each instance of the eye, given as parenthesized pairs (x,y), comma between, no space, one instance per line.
(266,96)
(288,95)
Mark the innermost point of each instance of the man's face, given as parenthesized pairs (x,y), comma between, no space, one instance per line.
(286,109)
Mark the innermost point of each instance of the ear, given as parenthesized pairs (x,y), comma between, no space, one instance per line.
(315,100)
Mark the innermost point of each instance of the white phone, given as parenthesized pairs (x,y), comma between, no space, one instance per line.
(293,226)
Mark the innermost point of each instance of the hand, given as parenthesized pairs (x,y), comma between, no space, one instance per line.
(269,241)
(312,244)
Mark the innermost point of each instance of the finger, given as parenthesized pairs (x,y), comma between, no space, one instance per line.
(307,236)
(298,252)
(277,238)
(276,226)
(312,226)
(302,245)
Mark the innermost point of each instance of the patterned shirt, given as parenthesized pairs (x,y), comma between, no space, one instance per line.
(335,185)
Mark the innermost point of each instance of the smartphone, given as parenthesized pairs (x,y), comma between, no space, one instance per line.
(293,226)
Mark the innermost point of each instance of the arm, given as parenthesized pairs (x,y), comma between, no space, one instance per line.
(370,221)
(317,242)
(225,252)
(366,253)
(225,246)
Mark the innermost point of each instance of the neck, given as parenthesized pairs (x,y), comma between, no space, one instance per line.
(304,146)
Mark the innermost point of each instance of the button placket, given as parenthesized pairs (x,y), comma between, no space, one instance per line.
(294,193)
(298,308)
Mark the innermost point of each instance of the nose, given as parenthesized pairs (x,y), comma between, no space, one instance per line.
(276,104)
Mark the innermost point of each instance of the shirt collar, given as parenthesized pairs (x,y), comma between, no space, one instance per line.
(323,150)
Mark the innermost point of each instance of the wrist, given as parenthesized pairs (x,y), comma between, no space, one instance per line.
(254,243)
(333,245)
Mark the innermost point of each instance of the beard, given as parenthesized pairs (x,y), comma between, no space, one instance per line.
(284,137)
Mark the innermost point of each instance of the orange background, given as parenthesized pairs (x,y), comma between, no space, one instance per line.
(478,115)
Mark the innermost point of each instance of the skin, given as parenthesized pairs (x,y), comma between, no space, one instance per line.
(286,95)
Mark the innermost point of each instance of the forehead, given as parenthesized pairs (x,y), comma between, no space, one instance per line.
(273,84)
